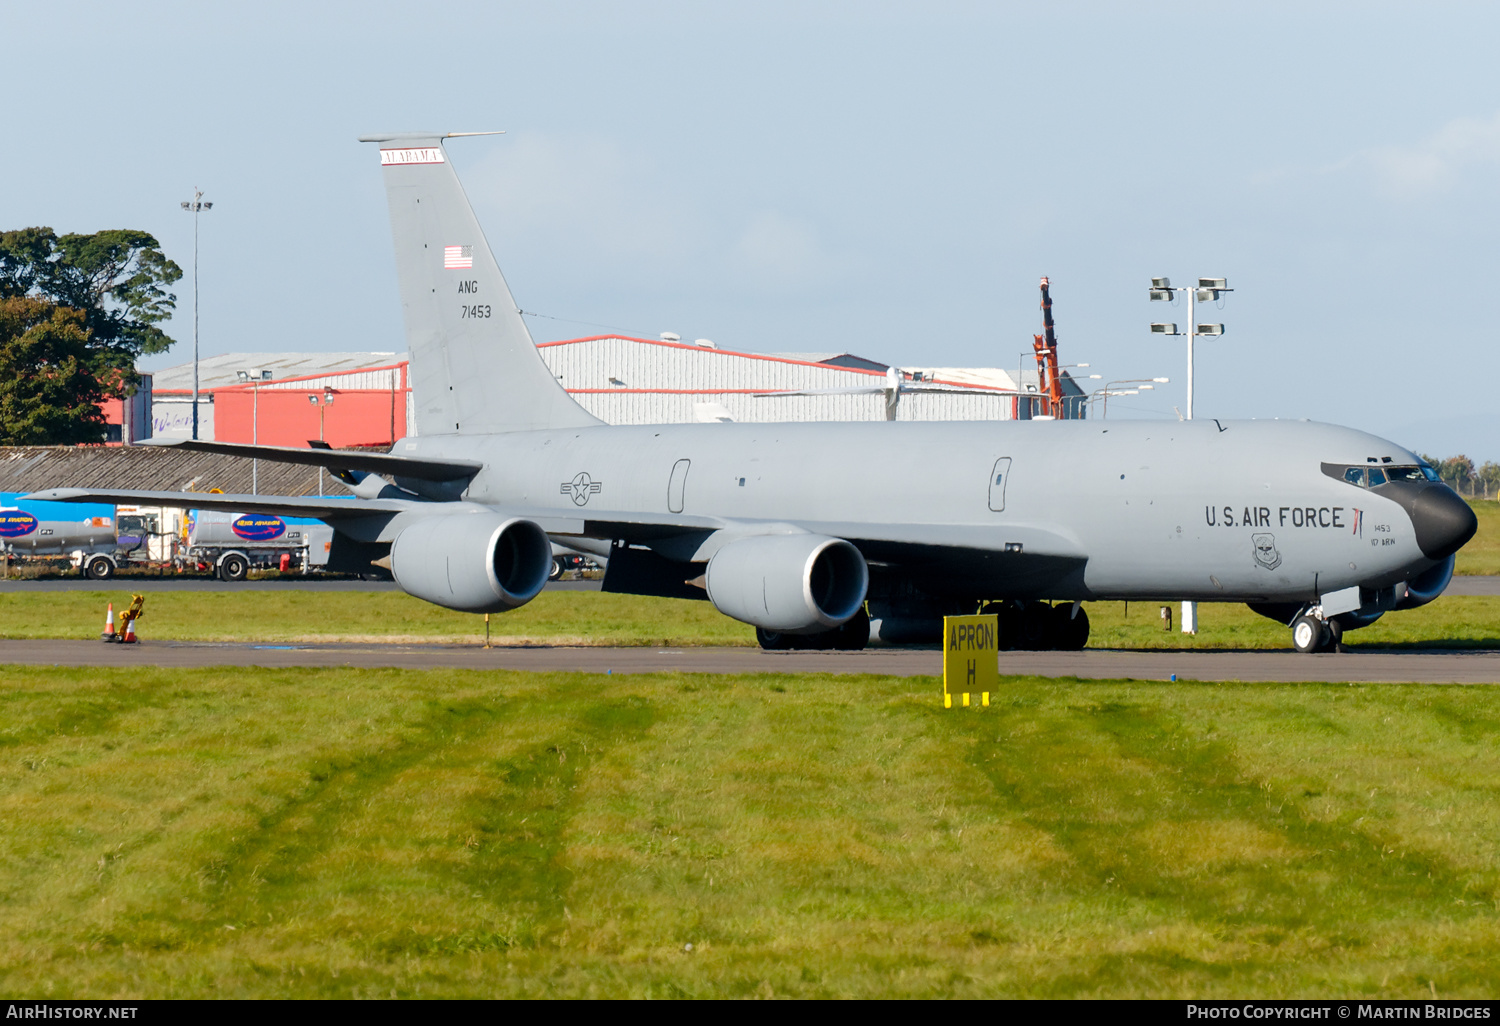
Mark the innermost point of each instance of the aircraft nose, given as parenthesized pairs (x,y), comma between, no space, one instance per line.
(1444,522)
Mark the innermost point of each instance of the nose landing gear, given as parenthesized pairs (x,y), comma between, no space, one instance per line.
(1314,634)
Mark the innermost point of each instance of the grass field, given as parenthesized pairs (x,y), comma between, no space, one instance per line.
(1482,554)
(594,618)
(334,833)
(552,618)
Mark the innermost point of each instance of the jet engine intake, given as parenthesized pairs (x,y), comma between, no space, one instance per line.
(790,583)
(1428,584)
(474,562)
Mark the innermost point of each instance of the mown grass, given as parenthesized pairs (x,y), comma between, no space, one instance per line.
(1451,622)
(336,833)
(1482,554)
(552,618)
(596,618)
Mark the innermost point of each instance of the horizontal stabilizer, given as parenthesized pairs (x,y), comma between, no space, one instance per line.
(418,467)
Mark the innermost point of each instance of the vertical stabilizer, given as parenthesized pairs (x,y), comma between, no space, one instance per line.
(474,368)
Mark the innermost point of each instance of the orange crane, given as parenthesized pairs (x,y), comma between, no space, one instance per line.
(1045,344)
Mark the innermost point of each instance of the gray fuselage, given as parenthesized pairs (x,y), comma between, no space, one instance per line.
(1232,511)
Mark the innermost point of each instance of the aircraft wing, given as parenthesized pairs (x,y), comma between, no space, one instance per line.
(419,467)
(956,558)
(904,389)
(635,526)
(293,506)
(790,392)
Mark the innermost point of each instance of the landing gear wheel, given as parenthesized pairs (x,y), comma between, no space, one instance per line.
(1036,628)
(99,568)
(1009,619)
(555,571)
(773,641)
(1309,634)
(1071,630)
(234,568)
(854,634)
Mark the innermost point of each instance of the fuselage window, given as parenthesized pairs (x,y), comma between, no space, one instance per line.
(1377,477)
(1355,476)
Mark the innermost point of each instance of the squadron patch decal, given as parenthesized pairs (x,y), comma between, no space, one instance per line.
(1265,550)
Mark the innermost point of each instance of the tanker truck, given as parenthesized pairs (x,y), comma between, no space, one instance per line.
(234,543)
(38,530)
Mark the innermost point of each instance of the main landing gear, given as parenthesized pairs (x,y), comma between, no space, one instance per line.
(852,636)
(1038,627)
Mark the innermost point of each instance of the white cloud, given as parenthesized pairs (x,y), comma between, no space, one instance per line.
(1434,165)
(586,195)
(633,218)
(781,252)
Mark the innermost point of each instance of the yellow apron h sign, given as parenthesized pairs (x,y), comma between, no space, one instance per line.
(971,657)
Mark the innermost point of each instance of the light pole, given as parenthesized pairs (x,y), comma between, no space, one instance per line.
(1081,400)
(322,412)
(1031,397)
(1104,393)
(1206,290)
(195,206)
(255,437)
(1142,385)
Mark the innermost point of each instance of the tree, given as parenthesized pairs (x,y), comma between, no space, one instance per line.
(1489,476)
(51,379)
(79,311)
(1457,471)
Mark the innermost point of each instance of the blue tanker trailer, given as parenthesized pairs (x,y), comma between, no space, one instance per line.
(85,534)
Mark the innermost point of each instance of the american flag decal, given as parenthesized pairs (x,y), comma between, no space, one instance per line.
(458,258)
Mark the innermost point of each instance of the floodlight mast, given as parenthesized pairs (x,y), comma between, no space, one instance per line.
(195,206)
(1206,289)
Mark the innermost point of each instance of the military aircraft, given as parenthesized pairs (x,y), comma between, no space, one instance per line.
(808,531)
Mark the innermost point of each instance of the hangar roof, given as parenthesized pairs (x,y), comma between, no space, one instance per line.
(224,369)
(33,468)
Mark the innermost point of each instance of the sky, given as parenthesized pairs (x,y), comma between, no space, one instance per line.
(887,179)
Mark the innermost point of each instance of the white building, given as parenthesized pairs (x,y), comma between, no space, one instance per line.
(263,397)
(625,380)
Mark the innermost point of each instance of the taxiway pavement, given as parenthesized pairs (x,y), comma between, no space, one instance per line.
(146,585)
(1470,667)
(1460,585)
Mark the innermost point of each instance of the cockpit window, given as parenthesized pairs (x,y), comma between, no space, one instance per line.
(1374,477)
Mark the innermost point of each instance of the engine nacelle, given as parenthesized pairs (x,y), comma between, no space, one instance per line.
(1428,585)
(474,562)
(791,583)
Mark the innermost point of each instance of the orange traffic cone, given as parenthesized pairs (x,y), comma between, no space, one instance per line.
(128,637)
(109,625)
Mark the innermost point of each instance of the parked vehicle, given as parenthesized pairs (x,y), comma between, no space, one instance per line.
(51,529)
(234,543)
(565,559)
